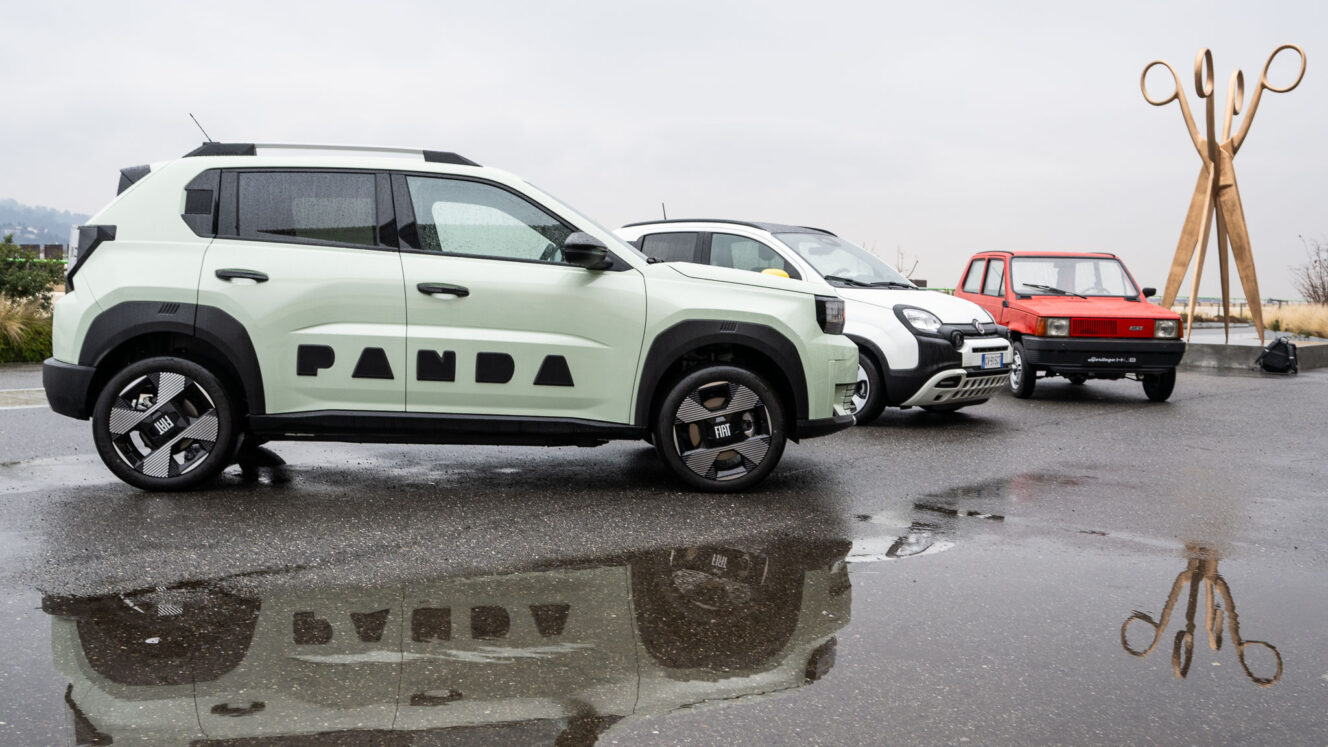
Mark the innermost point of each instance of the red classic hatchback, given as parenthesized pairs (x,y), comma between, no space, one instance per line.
(1077,315)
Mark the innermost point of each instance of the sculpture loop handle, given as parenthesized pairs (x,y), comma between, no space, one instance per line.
(1203,73)
(1263,77)
(1235,101)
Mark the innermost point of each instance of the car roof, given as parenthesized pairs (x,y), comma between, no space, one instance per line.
(762,225)
(1031,253)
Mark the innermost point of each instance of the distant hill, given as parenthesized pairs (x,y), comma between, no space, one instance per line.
(37,225)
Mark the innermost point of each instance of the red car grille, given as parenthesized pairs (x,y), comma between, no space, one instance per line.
(1092,327)
(1111,327)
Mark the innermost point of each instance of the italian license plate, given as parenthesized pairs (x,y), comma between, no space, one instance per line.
(993,360)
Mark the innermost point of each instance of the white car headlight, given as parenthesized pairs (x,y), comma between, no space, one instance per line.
(1166,328)
(922,320)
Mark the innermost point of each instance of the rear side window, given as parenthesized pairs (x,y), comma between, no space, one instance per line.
(670,247)
(310,206)
(973,280)
(995,285)
(739,252)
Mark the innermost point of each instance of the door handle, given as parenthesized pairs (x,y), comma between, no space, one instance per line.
(226,709)
(228,275)
(443,289)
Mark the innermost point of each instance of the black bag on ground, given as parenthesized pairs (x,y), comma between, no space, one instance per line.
(1278,357)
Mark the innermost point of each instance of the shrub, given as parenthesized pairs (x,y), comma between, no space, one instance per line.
(23,277)
(25,332)
(1300,318)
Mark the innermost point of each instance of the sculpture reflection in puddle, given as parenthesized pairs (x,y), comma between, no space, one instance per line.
(1219,613)
(547,656)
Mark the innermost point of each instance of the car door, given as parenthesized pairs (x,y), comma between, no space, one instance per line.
(497,323)
(993,291)
(304,260)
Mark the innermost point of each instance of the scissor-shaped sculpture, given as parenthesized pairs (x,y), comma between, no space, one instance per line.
(1216,192)
(1201,571)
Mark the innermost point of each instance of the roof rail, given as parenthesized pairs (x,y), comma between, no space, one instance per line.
(251,149)
(771,227)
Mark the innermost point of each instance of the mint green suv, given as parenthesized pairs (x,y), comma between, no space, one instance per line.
(247,293)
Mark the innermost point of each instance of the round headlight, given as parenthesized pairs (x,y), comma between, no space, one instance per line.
(1166,328)
(922,320)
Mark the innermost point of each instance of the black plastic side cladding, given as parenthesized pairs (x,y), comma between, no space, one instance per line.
(211,325)
(430,366)
(310,359)
(684,337)
(494,368)
(373,364)
(554,371)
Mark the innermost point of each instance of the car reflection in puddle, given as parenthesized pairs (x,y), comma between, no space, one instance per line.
(1218,608)
(548,656)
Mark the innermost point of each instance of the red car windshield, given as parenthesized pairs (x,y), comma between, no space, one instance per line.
(1070,276)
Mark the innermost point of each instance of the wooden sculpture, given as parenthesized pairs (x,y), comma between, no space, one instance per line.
(1216,193)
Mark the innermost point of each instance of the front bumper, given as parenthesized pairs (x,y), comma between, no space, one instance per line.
(949,375)
(68,388)
(1095,355)
(823,426)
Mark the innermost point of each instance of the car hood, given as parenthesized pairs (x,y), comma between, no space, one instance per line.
(738,277)
(1092,307)
(949,309)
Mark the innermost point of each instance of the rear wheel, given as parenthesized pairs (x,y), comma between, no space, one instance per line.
(720,429)
(1022,376)
(869,392)
(165,424)
(1158,387)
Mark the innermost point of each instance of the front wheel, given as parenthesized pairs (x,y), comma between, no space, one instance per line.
(720,429)
(1022,376)
(1158,387)
(165,424)
(868,392)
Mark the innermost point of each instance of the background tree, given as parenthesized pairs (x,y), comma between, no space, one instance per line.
(25,278)
(1311,278)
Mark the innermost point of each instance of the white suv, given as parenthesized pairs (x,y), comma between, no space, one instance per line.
(250,293)
(917,348)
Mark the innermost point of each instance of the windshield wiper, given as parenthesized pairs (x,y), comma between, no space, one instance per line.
(846,281)
(892,284)
(1051,289)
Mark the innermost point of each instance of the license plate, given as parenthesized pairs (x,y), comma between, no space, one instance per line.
(993,360)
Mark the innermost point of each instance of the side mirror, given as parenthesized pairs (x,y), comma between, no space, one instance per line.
(583,250)
(1150,292)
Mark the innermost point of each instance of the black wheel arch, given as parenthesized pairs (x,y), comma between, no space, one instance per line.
(685,345)
(134,330)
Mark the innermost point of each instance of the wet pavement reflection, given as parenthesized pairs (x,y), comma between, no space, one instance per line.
(556,655)
(1219,614)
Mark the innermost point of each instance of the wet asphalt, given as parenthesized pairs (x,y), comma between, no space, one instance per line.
(1082,568)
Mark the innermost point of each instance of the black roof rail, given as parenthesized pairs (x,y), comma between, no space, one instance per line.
(251,149)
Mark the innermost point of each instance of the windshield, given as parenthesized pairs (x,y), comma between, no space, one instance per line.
(843,264)
(1070,276)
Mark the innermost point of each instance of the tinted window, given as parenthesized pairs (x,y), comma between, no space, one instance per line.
(995,285)
(455,216)
(670,247)
(313,206)
(973,280)
(727,250)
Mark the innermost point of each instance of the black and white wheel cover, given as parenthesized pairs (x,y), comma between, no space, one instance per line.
(861,390)
(722,430)
(163,424)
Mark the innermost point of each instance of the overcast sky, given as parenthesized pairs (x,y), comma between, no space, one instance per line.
(928,129)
